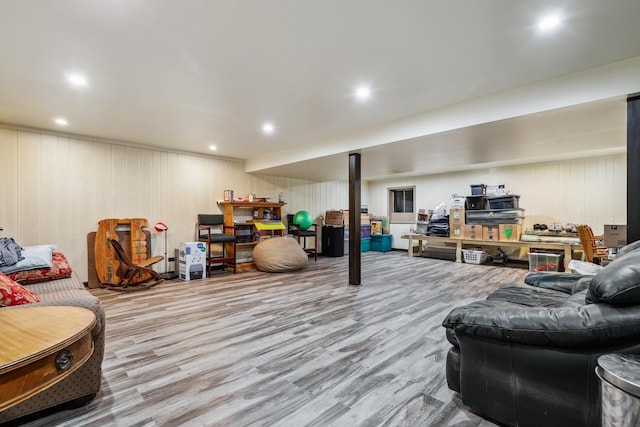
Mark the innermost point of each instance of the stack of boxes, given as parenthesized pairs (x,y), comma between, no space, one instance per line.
(457,219)
(380,238)
(461,228)
(365,230)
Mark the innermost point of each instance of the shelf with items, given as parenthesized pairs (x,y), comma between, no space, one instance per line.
(252,221)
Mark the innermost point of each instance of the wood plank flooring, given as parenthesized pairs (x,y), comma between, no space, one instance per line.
(288,349)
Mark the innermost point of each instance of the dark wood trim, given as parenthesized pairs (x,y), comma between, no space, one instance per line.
(354,218)
(633,170)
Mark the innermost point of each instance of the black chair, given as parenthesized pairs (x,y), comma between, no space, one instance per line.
(312,231)
(211,229)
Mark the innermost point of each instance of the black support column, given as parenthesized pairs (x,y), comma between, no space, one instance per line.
(633,168)
(354,218)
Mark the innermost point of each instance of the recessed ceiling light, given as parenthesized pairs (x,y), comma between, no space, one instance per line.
(77,80)
(363,92)
(213,148)
(268,128)
(549,22)
(61,122)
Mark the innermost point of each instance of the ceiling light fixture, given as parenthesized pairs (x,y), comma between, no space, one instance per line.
(77,80)
(61,122)
(549,22)
(363,92)
(213,148)
(268,128)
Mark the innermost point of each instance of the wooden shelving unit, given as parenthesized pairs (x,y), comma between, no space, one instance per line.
(244,215)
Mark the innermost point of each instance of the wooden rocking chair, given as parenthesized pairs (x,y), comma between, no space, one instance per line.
(133,277)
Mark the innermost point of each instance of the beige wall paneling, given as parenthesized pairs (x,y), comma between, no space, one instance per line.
(119,181)
(9,182)
(96,180)
(100,180)
(57,188)
(160,198)
(29,199)
(591,191)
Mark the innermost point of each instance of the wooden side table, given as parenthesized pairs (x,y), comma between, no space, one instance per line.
(39,346)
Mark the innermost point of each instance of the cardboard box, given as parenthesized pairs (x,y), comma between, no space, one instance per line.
(491,232)
(456,231)
(192,260)
(615,236)
(457,202)
(384,222)
(472,232)
(365,219)
(456,217)
(510,232)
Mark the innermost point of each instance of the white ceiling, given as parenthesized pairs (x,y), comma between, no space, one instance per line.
(456,84)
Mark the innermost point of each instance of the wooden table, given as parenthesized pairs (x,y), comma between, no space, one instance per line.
(463,243)
(39,346)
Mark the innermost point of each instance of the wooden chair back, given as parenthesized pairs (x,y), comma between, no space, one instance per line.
(590,244)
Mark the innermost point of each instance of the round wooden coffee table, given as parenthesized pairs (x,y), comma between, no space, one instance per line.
(40,346)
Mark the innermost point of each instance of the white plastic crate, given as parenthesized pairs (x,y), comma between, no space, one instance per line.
(472,256)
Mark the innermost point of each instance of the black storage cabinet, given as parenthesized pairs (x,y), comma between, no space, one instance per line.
(332,241)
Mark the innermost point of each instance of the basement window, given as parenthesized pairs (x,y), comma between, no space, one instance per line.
(401,205)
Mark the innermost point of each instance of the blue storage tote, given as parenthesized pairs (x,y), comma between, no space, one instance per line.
(381,242)
(365,244)
(365,231)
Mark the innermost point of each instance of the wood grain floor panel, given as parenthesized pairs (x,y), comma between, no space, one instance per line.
(288,349)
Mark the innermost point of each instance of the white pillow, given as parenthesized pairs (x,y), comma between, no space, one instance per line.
(34,257)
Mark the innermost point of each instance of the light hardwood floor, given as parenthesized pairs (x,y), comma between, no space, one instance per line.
(288,349)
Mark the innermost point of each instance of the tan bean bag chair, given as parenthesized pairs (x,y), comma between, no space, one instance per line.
(279,254)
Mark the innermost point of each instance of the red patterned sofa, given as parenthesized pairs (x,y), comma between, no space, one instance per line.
(47,286)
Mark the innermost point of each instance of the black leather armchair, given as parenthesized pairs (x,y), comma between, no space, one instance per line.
(527,355)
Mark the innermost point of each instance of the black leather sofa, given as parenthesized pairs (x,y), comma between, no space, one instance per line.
(526,356)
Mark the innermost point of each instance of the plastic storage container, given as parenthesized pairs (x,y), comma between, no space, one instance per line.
(504,202)
(476,203)
(365,231)
(478,190)
(333,241)
(346,241)
(365,244)
(381,242)
(544,262)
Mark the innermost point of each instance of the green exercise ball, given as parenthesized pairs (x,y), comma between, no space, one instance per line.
(303,219)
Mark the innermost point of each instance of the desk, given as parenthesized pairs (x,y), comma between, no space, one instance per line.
(39,346)
(464,243)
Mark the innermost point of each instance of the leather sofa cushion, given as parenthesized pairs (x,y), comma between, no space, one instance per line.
(573,324)
(528,296)
(569,283)
(628,248)
(617,283)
